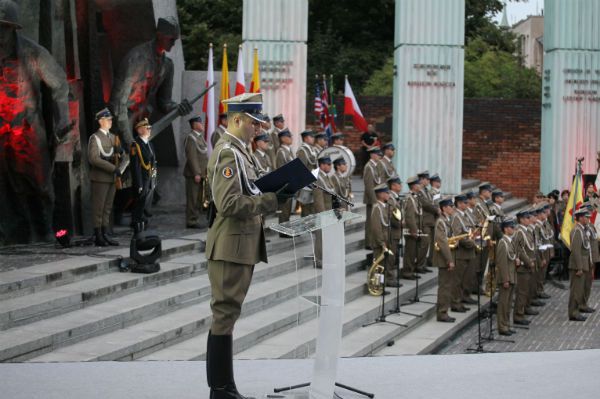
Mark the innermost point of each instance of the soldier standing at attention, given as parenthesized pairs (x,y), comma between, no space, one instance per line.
(371,179)
(506,266)
(436,187)
(322,202)
(341,183)
(103,150)
(278,126)
(385,168)
(320,142)
(580,264)
(196,154)
(430,214)
(463,254)
(525,247)
(444,261)
(307,154)
(337,139)
(235,240)
(473,267)
(595,252)
(396,204)
(219,130)
(262,159)
(416,244)
(284,155)
(143,170)
(381,233)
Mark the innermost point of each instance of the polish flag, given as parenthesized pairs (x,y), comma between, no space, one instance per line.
(209,101)
(240,82)
(351,108)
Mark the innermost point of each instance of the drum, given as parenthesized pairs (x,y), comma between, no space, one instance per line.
(339,151)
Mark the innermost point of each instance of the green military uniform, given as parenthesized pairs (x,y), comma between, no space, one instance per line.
(539,262)
(101,155)
(342,186)
(263,162)
(322,202)
(506,256)
(463,254)
(386,169)
(274,145)
(284,155)
(441,259)
(430,214)
(381,236)
(371,179)
(306,153)
(595,250)
(395,203)
(473,267)
(579,261)
(216,135)
(196,153)
(482,212)
(416,244)
(525,247)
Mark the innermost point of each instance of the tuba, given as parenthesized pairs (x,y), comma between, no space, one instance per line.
(376,274)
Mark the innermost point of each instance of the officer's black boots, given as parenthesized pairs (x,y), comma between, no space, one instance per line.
(99,240)
(219,368)
(109,240)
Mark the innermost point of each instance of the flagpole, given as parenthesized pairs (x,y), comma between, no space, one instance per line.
(344,120)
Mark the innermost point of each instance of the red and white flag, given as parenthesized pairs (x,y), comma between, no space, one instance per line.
(240,81)
(351,108)
(209,101)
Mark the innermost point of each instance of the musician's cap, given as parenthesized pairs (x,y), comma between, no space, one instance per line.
(554,194)
(278,118)
(266,118)
(324,160)
(320,136)
(540,194)
(247,103)
(195,119)
(143,123)
(446,202)
(374,150)
(168,26)
(497,193)
(435,177)
(470,195)
(485,187)
(388,146)
(223,115)
(412,180)
(524,213)
(307,133)
(382,188)
(508,222)
(262,137)
(536,210)
(460,198)
(423,175)
(337,136)
(394,179)
(582,212)
(103,113)
(285,132)
(339,161)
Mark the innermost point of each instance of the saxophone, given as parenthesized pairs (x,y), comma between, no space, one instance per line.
(453,241)
(376,274)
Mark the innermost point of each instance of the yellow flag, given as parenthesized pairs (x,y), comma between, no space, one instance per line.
(224,82)
(574,202)
(255,83)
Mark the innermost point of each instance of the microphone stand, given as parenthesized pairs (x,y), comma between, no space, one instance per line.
(416,299)
(337,197)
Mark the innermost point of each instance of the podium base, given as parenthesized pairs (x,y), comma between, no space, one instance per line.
(283,392)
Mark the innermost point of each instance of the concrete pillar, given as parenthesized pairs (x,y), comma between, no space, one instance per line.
(279,29)
(570,91)
(428,88)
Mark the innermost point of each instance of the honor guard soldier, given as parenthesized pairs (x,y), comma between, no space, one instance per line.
(322,202)
(144,173)
(261,158)
(308,155)
(196,186)
(320,142)
(430,214)
(236,239)
(381,232)
(341,183)
(216,135)
(416,244)
(337,139)
(104,151)
(463,254)
(278,126)
(506,268)
(525,247)
(443,259)
(371,179)
(385,168)
(595,252)
(396,204)
(580,264)
(284,155)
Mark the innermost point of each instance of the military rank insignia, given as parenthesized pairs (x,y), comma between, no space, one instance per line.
(227,172)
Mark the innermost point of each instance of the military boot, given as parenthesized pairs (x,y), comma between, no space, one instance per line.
(106,237)
(99,240)
(219,368)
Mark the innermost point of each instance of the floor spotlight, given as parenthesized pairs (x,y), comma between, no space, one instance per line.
(63,238)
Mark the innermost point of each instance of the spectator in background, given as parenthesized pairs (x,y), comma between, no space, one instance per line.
(367,140)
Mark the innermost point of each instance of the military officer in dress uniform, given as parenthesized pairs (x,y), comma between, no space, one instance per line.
(580,264)
(506,266)
(261,158)
(385,168)
(525,247)
(284,155)
(144,173)
(196,154)
(216,135)
(430,214)
(103,150)
(371,179)
(236,239)
(320,142)
(322,202)
(381,234)
(396,203)
(463,254)
(444,261)
(341,183)
(415,242)
(308,155)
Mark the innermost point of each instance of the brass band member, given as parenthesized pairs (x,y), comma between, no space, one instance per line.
(196,190)
(337,139)
(444,261)
(371,179)
(380,232)
(341,183)
(308,155)
(284,155)
(525,247)
(396,204)
(506,267)
(320,142)
(464,253)
(416,244)
(385,167)
(430,214)
(322,202)
(103,150)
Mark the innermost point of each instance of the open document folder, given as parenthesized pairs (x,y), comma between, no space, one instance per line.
(293,173)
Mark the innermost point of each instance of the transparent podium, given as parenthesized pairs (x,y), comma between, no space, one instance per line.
(331,301)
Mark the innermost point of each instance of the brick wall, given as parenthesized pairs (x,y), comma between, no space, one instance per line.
(501,138)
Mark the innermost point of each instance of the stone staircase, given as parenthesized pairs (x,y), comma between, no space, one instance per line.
(83,309)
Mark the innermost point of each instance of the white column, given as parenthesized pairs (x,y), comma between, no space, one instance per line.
(570,91)
(279,29)
(428,89)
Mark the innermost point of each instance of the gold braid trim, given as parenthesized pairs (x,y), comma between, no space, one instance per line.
(146,166)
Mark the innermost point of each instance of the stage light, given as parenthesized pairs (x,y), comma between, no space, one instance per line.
(63,238)
(151,244)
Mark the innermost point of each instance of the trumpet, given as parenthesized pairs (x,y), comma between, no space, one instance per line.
(454,240)
(376,274)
